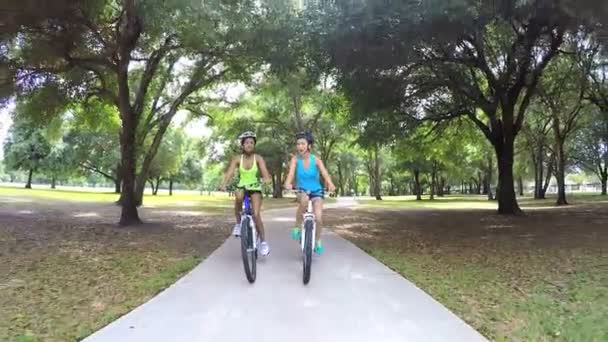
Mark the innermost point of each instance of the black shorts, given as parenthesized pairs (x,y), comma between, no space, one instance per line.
(249,192)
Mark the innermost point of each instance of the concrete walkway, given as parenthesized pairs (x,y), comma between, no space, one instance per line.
(351,297)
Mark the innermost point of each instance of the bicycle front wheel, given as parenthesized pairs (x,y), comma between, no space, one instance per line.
(247,251)
(307,257)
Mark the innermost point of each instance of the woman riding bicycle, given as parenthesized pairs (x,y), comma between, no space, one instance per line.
(248,164)
(307,169)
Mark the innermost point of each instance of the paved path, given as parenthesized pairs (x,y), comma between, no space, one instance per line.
(351,297)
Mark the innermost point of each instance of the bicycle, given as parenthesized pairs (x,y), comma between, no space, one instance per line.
(307,236)
(249,238)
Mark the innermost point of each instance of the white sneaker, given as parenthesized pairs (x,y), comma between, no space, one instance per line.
(264,248)
(237,230)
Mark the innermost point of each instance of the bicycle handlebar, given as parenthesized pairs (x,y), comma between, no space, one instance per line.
(299,191)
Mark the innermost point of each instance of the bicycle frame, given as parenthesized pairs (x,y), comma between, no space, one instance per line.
(247,212)
(309,215)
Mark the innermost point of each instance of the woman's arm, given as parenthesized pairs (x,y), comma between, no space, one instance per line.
(229,173)
(326,177)
(290,174)
(263,169)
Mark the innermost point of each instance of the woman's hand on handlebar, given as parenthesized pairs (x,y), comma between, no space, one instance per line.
(331,188)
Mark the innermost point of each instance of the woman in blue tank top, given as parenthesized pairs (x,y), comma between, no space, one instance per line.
(307,169)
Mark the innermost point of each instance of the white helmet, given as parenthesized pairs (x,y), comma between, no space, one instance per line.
(246,135)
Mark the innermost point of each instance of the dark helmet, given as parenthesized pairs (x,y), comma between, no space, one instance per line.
(306,135)
(246,135)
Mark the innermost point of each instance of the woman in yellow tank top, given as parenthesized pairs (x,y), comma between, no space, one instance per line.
(249,164)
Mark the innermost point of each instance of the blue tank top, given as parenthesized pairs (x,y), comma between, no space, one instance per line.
(308,179)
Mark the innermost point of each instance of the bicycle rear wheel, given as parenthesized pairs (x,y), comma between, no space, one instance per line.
(307,257)
(247,251)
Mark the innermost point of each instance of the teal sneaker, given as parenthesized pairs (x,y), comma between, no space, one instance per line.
(319,248)
(296,234)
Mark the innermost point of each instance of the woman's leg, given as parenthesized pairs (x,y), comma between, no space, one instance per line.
(256,201)
(238,205)
(317,205)
(302,204)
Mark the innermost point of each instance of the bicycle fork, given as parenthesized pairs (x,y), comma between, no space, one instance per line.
(308,216)
(253,231)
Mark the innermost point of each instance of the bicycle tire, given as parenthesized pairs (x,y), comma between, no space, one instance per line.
(307,255)
(249,257)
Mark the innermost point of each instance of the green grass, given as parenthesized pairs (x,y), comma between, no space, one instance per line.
(83,279)
(210,203)
(540,277)
(62,299)
(472,202)
(483,296)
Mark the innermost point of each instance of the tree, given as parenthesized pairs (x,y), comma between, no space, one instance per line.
(346,166)
(463,58)
(93,141)
(123,53)
(562,90)
(168,159)
(535,141)
(590,147)
(26,148)
(189,173)
(57,164)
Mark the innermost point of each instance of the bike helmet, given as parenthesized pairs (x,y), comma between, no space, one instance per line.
(305,135)
(246,135)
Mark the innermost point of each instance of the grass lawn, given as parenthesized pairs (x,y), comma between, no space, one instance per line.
(457,202)
(215,203)
(67,269)
(540,277)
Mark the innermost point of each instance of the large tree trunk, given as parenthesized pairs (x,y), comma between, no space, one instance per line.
(53,182)
(170,186)
(441,187)
(604,180)
(560,172)
(158,180)
(128,114)
(547,180)
(417,187)
(28,185)
(118,179)
(489,178)
(278,187)
(376,177)
(117,183)
(539,163)
(520,186)
(340,178)
(433,182)
(507,202)
(485,186)
(128,201)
